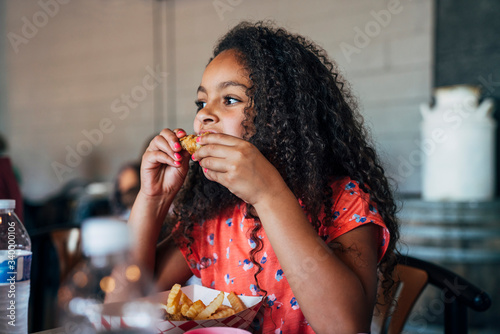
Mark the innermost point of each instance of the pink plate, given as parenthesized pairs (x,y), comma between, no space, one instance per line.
(218,330)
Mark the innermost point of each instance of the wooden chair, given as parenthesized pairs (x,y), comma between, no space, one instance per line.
(67,242)
(412,276)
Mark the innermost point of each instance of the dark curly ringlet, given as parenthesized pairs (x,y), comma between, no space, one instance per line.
(304,120)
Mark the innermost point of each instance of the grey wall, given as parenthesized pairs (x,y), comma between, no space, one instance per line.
(78,72)
(63,83)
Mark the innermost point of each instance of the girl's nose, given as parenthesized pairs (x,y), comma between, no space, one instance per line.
(207,116)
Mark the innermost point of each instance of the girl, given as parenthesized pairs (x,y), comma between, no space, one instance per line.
(285,198)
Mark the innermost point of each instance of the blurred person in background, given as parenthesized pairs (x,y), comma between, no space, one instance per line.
(126,187)
(9,179)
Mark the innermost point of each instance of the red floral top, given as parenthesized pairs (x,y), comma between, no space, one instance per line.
(221,247)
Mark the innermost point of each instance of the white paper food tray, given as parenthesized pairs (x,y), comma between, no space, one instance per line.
(242,319)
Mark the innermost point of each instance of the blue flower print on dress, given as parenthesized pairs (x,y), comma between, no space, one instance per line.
(279,275)
(358,218)
(271,301)
(205,262)
(227,252)
(228,279)
(252,243)
(229,222)
(241,223)
(247,264)
(350,186)
(294,304)
(253,289)
(210,239)
(372,209)
(264,258)
(336,215)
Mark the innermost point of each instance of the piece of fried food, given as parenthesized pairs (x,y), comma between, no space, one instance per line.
(211,308)
(222,313)
(180,308)
(185,309)
(185,299)
(174,298)
(189,143)
(175,317)
(222,307)
(171,317)
(236,302)
(195,309)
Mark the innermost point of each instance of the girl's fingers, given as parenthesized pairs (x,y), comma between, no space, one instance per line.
(163,150)
(218,138)
(172,139)
(159,157)
(180,133)
(218,165)
(168,141)
(216,145)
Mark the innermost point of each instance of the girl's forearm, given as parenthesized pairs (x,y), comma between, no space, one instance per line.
(145,221)
(323,284)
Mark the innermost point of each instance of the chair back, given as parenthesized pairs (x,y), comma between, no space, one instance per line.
(411,276)
(391,317)
(67,242)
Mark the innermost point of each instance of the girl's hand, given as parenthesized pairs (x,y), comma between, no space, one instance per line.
(239,166)
(164,165)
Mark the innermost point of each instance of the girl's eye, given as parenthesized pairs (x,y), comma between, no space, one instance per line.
(230,100)
(200,105)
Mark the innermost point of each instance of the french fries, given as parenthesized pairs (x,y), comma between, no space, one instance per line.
(180,308)
(195,309)
(211,308)
(236,303)
(173,299)
(222,313)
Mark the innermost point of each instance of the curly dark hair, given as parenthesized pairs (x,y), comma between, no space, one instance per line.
(302,107)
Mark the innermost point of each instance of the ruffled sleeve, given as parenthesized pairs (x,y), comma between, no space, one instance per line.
(352,209)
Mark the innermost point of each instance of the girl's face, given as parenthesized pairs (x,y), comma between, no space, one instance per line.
(221,96)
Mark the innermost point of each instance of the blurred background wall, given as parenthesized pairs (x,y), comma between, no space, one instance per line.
(65,64)
(78,97)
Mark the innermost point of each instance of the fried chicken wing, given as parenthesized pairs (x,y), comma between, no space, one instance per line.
(189,143)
